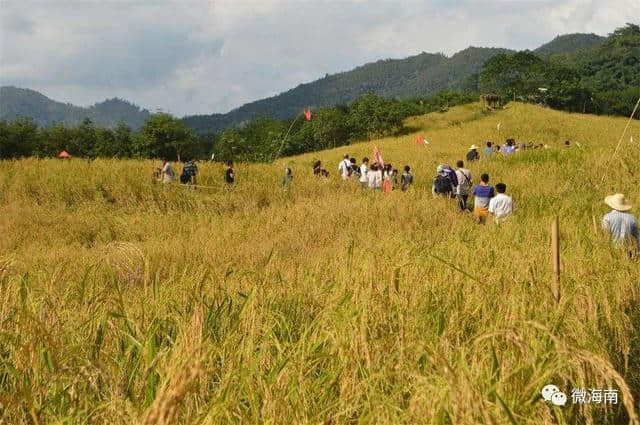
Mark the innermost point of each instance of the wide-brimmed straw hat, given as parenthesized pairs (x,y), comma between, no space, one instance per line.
(618,202)
(473,147)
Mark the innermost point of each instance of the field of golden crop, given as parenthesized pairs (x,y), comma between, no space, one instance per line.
(125,302)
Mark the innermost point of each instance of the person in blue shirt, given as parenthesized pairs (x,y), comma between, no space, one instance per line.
(482,193)
(620,223)
(489,149)
(509,148)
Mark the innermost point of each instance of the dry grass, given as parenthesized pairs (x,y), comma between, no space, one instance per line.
(123,301)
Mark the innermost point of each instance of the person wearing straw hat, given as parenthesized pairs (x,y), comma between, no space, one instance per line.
(473,154)
(620,223)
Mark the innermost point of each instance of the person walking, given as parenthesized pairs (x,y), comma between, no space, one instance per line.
(189,173)
(375,177)
(317,168)
(482,193)
(488,151)
(473,154)
(287,178)
(620,224)
(229,175)
(344,166)
(465,183)
(387,185)
(407,178)
(501,206)
(354,170)
(442,185)
(167,175)
(364,171)
(509,147)
(394,179)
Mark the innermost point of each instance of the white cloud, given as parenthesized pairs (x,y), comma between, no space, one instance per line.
(211,56)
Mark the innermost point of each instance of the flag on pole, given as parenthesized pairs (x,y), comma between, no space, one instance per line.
(307,114)
(377,156)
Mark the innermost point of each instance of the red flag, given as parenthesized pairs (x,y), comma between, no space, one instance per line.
(307,114)
(377,156)
(419,140)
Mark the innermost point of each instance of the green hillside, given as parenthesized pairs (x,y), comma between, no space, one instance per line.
(569,43)
(416,76)
(17,102)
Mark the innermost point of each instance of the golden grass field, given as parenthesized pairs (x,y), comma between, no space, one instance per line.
(127,302)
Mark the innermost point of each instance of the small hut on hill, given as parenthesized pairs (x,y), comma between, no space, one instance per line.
(64,155)
(491,100)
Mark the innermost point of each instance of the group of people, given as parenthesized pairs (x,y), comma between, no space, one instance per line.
(488,200)
(189,174)
(508,148)
(375,176)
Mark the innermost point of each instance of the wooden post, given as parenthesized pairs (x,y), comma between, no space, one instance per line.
(555,258)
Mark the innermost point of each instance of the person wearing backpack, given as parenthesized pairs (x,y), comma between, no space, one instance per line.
(407,178)
(344,166)
(465,184)
(473,154)
(354,169)
(442,185)
(189,172)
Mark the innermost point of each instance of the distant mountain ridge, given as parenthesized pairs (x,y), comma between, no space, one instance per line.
(569,43)
(416,76)
(16,102)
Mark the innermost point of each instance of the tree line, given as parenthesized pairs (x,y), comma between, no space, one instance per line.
(603,80)
(262,139)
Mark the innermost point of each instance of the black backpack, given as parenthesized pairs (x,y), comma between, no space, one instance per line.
(442,184)
(472,155)
(185,177)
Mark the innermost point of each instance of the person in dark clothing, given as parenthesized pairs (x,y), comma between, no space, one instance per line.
(473,154)
(229,175)
(317,168)
(189,173)
(442,185)
(407,178)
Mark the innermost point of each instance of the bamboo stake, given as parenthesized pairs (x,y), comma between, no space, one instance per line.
(555,258)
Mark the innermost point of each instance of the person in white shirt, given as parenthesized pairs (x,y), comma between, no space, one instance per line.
(465,183)
(167,174)
(375,177)
(364,170)
(501,206)
(344,167)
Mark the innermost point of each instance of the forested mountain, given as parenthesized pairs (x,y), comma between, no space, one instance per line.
(16,102)
(422,75)
(600,62)
(569,43)
(416,76)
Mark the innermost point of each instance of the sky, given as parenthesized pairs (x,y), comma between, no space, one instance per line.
(200,57)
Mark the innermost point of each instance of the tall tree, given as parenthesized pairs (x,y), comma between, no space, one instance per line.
(164,136)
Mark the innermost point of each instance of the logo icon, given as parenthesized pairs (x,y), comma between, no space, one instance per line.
(552,394)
